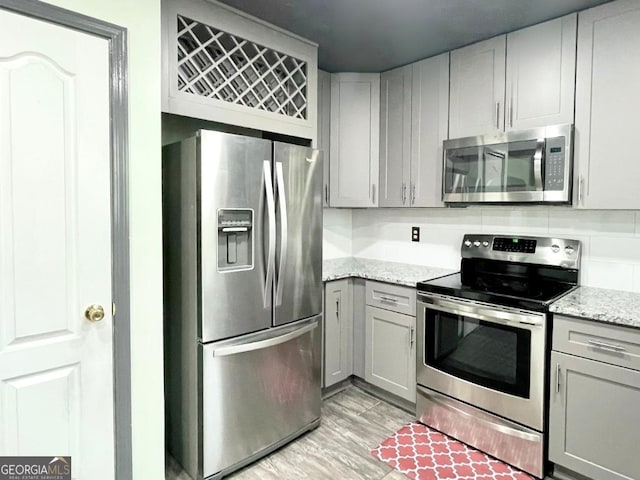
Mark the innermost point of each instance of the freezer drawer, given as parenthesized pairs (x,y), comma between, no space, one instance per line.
(257,390)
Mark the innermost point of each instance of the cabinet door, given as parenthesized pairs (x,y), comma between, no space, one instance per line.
(355,139)
(338,323)
(324,134)
(607,106)
(390,352)
(395,137)
(541,70)
(476,102)
(430,123)
(593,423)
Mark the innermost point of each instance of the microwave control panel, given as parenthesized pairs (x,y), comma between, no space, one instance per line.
(554,163)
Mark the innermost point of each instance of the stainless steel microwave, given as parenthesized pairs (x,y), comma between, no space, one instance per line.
(527,166)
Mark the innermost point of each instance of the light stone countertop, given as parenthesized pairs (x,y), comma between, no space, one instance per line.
(390,272)
(598,304)
(602,305)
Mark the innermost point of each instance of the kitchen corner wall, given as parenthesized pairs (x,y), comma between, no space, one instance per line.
(337,238)
(610,239)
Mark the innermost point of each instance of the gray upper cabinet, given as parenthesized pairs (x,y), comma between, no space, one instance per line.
(414,114)
(395,137)
(324,130)
(338,331)
(355,139)
(521,80)
(607,106)
(429,128)
(594,398)
(476,102)
(271,86)
(541,69)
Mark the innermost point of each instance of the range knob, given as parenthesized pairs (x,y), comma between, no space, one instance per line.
(467,243)
(485,244)
(476,243)
(555,248)
(568,250)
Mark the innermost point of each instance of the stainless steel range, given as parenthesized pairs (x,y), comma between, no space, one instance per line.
(483,338)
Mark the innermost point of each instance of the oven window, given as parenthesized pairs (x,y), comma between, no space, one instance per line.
(488,354)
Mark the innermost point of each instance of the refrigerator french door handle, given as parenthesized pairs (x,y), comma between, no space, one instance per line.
(282,200)
(271,217)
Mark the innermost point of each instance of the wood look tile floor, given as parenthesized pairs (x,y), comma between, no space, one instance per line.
(353,422)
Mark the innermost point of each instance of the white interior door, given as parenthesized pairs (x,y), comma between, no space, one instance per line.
(56,366)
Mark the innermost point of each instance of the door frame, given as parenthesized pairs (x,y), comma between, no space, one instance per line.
(119,159)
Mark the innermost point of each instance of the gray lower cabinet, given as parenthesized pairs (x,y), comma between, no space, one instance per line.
(390,351)
(338,331)
(594,418)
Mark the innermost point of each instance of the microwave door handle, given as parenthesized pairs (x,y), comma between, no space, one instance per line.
(537,165)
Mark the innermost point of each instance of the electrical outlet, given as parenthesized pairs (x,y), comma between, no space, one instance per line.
(415,234)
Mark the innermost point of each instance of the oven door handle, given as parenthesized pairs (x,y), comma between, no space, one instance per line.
(520,320)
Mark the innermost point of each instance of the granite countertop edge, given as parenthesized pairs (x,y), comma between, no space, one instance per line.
(600,305)
(614,307)
(379,270)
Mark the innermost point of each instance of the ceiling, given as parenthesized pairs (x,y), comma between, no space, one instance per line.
(377,35)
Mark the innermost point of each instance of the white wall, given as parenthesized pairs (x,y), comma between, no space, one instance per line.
(142,19)
(336,240)
(610,239)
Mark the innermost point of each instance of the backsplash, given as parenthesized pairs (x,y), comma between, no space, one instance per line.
(337,238)
(610,239)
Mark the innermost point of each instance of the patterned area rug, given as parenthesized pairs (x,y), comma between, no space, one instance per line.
(422,453)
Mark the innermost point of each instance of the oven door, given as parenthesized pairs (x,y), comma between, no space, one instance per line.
(488,356)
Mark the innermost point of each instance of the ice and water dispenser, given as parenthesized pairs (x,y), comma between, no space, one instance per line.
(235,239)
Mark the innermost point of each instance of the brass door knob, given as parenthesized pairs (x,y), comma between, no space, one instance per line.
(94,313)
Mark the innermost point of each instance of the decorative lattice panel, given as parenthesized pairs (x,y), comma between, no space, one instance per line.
(219,65)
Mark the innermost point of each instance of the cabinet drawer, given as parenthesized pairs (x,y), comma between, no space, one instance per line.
(612,344)
(391,297)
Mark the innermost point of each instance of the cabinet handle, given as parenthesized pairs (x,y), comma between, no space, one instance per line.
(557,378)
(373,193)
(404,193)
(326,194)
(413,193)
(607,346)
(511,111)
(498,115)
(338,310)
(411,331)
(580,189)
(388,299)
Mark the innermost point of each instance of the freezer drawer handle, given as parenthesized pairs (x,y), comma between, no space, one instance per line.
(262,344)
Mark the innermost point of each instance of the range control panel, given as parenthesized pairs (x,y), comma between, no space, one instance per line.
(514,244)
(537,250)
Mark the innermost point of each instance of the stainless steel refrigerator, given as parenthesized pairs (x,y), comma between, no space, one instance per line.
(242,223)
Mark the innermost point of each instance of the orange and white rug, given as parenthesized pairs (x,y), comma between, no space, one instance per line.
(422,453)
